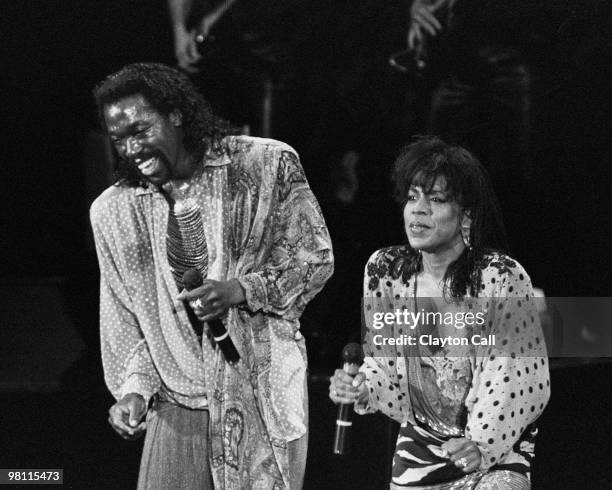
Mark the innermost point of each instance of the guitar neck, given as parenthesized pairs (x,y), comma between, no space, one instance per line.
(210,19)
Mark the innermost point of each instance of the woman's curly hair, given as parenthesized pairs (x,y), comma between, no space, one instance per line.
(166,89)
(421,163)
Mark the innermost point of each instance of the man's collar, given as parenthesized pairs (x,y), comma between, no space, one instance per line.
(215,160)
(149,189)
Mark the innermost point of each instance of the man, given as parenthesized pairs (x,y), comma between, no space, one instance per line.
(266,253)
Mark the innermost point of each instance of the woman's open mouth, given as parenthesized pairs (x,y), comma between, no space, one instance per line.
(417,227)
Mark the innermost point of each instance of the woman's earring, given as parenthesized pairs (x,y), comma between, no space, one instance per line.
(466,228)
(465,234)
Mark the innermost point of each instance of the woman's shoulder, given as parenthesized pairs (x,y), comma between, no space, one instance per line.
(397,254)
(501,264)
(396,262)
(499,268)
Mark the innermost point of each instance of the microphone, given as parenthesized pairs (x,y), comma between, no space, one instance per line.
(352,355)
(192,278)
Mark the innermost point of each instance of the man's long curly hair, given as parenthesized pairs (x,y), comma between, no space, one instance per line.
(421,163)
(166,89)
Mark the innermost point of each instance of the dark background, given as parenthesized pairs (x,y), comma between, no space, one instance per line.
(53,52)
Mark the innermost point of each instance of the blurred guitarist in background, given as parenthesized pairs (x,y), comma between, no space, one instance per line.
(190,36)
(241,54)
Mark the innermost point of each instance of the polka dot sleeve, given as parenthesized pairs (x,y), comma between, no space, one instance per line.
(380,363)
(128,367)
(511,384)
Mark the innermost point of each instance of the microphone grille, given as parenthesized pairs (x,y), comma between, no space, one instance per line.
(192,279)
(352,353)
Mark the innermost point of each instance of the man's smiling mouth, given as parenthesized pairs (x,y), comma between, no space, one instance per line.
(149,166)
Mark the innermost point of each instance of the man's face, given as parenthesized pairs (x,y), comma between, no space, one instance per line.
(144,137)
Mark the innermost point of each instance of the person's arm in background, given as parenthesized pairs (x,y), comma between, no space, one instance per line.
(186,40)
(185,45)
(424,21)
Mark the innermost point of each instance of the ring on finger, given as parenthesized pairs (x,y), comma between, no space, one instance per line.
(198,303)
(463,462)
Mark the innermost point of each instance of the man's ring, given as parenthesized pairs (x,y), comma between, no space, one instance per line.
(198,303)
(462,462)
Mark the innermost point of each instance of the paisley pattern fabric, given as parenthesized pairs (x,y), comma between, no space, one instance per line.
(491,394)
(264,227)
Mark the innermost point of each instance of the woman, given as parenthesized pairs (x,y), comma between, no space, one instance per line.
(466,404)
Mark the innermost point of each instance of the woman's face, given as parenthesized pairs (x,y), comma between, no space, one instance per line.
(433,221)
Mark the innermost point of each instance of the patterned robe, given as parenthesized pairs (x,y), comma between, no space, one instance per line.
(264,227)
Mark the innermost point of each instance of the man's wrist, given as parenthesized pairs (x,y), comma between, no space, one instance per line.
(130,395)
(237,294)
(140,398)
